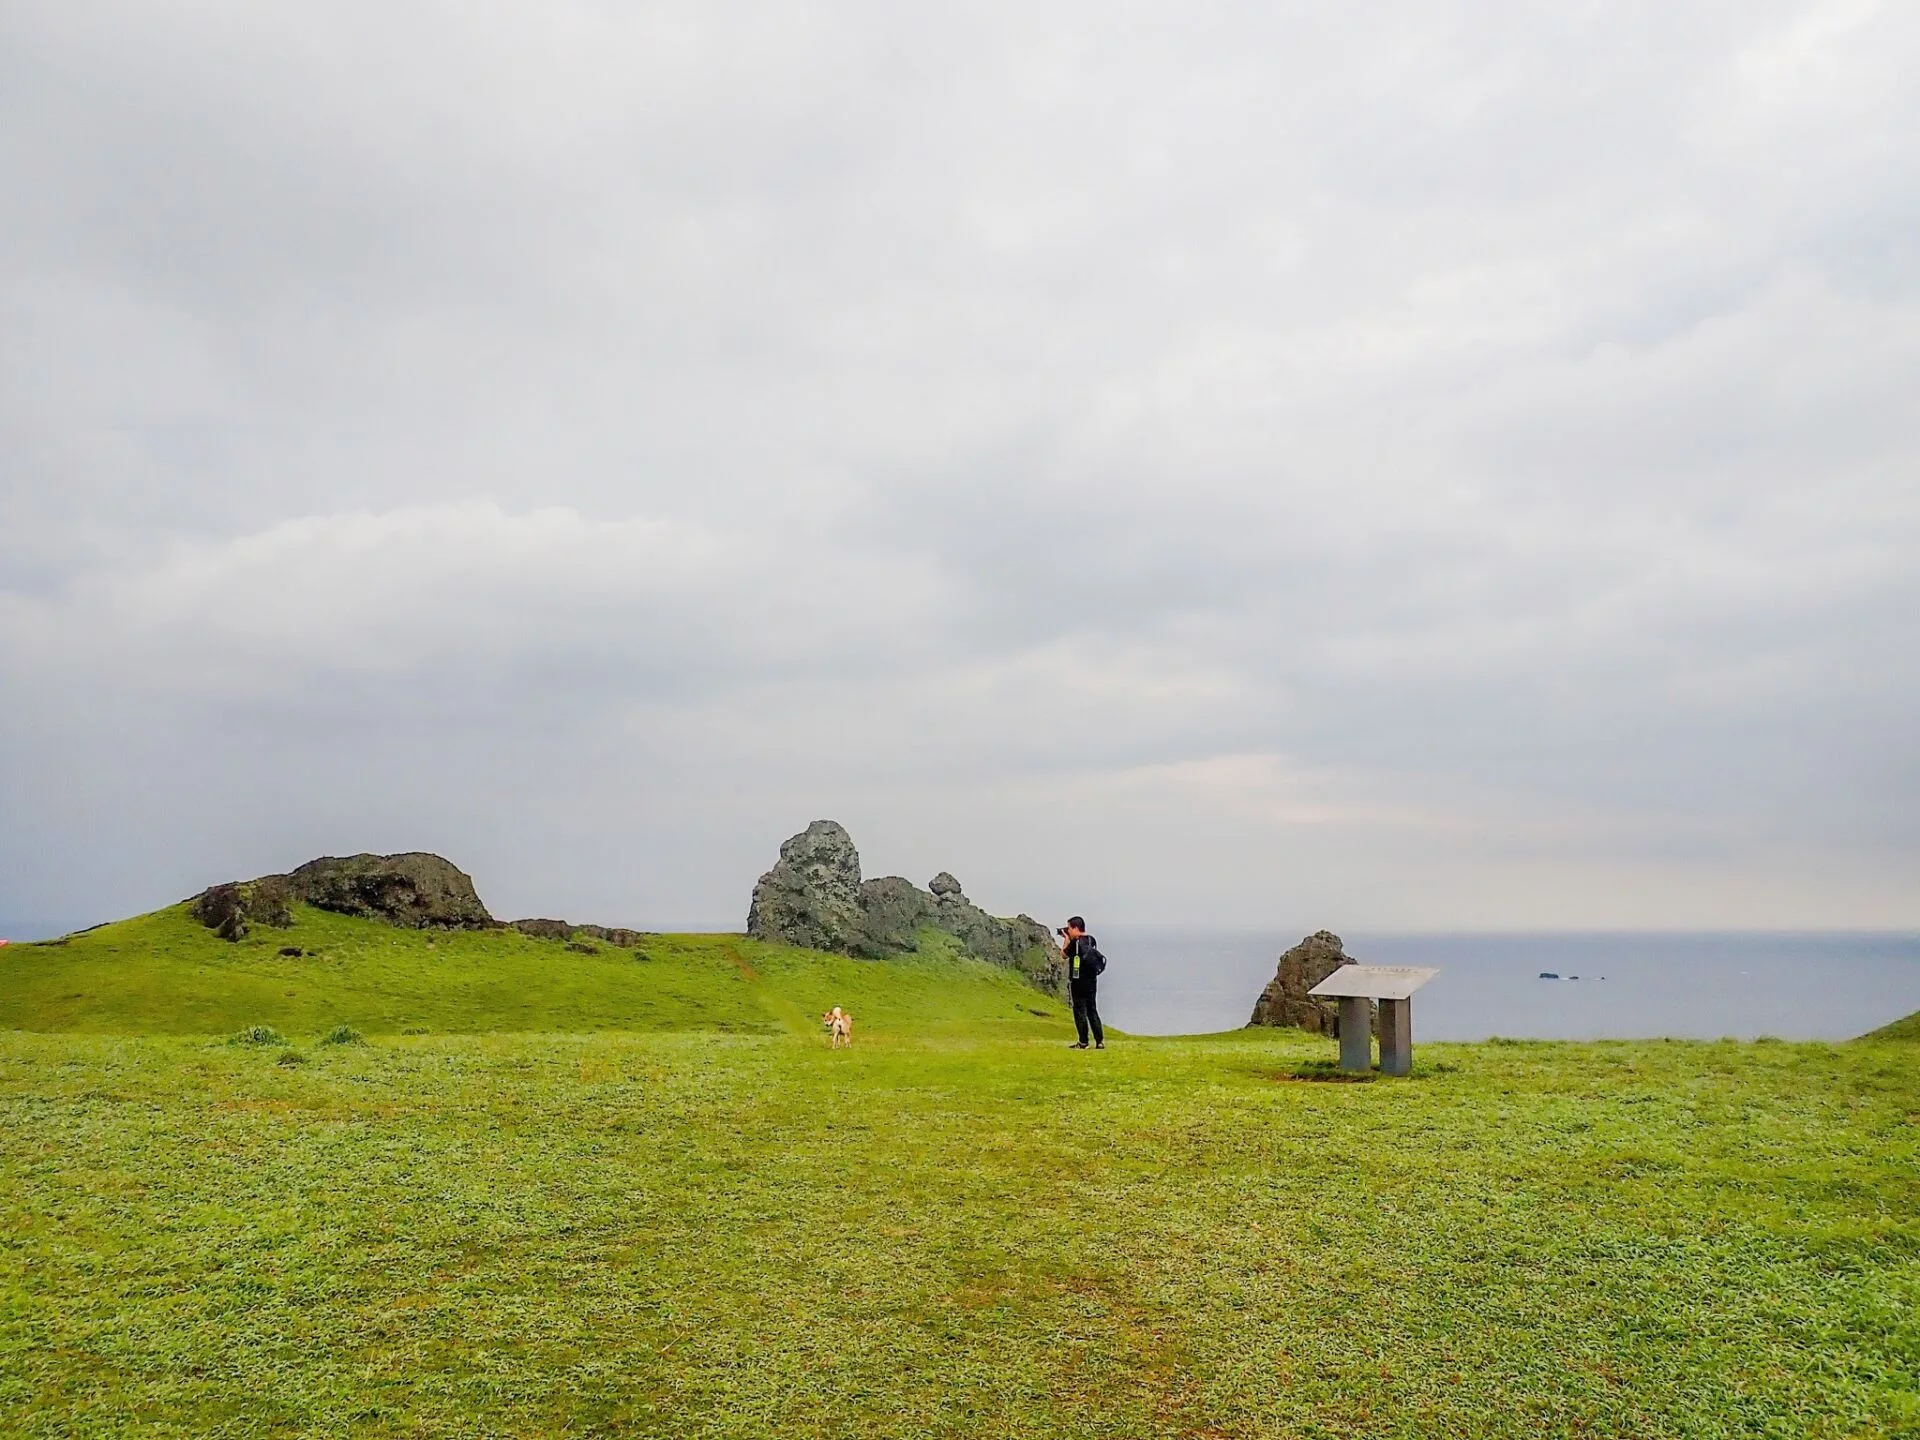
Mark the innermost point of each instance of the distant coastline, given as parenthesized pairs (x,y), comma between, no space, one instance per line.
(1813,985)
(1803,984)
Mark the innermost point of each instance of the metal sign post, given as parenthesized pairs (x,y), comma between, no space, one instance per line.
(1393,987)
(1356,1033)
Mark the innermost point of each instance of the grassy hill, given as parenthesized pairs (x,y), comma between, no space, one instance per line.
(680,1213)
(1907,1029)
(165,973)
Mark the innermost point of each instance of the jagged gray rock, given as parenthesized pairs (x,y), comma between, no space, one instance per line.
(1285,1000)
(814,897)
(1004,942)
(892,913)
(811,897)
(416,891)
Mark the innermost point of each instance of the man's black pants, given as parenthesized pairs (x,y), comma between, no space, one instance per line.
(1085,1015)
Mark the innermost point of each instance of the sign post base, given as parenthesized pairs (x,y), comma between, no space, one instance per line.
(1356,1033)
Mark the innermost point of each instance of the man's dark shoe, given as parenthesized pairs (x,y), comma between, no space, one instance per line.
(1078,1045)
(1101,1046)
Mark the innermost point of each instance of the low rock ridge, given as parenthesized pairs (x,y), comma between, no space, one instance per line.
(416,891)
(566,930)
(1286,1002)
(814,896)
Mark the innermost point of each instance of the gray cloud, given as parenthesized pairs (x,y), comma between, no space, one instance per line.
(1414,466)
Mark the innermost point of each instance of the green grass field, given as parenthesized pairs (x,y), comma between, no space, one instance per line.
(166,974)
(689,1217)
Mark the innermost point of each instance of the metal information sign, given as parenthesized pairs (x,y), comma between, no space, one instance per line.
(1393,986)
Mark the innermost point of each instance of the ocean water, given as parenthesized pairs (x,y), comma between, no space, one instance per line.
(1630,986)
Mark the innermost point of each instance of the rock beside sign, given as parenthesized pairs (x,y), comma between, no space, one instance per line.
(1285,1001)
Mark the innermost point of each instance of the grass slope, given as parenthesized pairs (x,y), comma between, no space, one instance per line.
(750,1235)
(165,973)
(1907,1029)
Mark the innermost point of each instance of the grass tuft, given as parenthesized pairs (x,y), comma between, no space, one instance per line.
(256,1035)
(343,1035)
(1329,1070)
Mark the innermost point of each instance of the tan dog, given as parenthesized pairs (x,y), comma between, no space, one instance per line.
(839,1027)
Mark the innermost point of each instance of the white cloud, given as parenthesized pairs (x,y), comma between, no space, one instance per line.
(1460,461)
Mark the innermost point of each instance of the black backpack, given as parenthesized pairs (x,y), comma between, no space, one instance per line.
(1092,963)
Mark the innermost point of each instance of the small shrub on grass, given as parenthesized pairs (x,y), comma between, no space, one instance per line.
(257,1035)
(343,1035)
(290,1057)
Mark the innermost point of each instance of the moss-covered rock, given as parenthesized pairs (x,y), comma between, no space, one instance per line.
(814,897)
(415,890)
(232,909)
(811,897)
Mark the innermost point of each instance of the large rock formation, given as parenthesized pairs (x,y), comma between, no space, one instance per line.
(811,896)
(814,897)
(1285,1000)
(415,890)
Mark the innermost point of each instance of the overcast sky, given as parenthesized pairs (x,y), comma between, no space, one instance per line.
(1384,465)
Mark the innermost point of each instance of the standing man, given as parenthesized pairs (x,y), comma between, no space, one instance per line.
(1084,964)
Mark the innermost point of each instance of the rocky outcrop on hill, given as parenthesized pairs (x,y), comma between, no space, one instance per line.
(567,930)
(1285,1000)
(229,910)
(1004,942)
(813,896)
(416,891)
(892,912)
